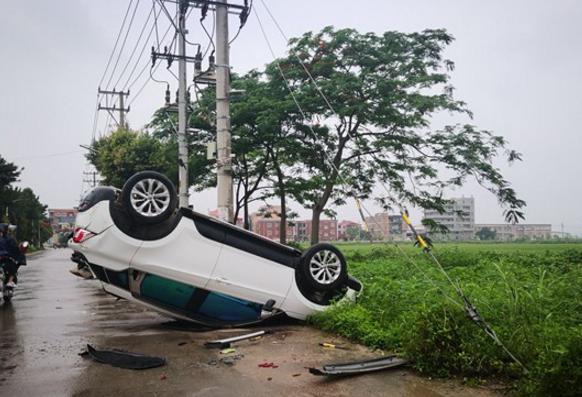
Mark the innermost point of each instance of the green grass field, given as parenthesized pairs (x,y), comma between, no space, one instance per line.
(530,293)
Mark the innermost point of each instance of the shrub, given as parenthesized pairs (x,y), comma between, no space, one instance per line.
(531,296)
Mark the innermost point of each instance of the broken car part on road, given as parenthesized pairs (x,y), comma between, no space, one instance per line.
(122,359)
(226,342)
(360,367)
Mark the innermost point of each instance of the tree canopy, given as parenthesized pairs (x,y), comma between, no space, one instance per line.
(21,207)
(342,112)
(9,173)
(367,101)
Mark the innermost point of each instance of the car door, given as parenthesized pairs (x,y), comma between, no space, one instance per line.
(247,268)
(183,255)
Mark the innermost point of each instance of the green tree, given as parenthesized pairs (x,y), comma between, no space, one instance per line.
(9,173)
(383,90)
(122,153)
(29,215)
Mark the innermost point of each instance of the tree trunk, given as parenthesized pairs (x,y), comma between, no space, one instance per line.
(246,214)
(315,214)
(283,223)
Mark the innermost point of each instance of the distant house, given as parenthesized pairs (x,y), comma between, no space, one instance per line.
(62,218)
(266,222)
(385,226)
(342,229)
(215,214)
(507,232)
(327,230)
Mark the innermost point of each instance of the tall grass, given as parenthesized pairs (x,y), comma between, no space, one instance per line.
(532,299)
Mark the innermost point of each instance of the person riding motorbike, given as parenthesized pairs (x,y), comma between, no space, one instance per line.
(10,250)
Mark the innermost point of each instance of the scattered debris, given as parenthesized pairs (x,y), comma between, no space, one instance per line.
(182,343)
(123,359)
(358,367)
(295,375)
(269,378)
(231,360)
(163,377)
(268,365)
(225,343)
(228,350)
(333,346)
(82,272)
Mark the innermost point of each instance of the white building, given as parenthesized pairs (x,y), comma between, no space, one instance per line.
(458,217)
(526,231)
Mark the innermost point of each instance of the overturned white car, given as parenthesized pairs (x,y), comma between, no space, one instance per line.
(143,248)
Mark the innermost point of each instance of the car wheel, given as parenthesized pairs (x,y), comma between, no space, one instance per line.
(323,267)
(149,197)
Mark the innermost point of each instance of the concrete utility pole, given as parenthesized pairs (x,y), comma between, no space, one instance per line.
(91,179)
(223,149)
(122,110)
(182,105)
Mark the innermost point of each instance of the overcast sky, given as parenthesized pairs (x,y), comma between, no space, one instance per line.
(518,66)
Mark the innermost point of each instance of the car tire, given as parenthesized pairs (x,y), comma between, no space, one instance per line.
(149,197)
(323,268)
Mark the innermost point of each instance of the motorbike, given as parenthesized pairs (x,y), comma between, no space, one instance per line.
(5,262)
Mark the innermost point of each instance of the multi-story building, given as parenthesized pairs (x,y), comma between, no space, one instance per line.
(458,217)
(396,227)
(270,228)
(62,218)
(384,226)
(526,231)
(327,230)
(344,226)
(379,226)
(267,220)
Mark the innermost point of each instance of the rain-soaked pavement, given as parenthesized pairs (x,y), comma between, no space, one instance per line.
(55,314)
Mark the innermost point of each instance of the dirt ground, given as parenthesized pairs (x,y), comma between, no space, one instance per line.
(55,314)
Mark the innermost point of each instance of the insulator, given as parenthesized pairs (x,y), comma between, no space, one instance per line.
(167,95)
(198,63)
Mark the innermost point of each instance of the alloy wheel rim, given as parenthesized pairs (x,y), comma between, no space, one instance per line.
(325,267)
(150,197)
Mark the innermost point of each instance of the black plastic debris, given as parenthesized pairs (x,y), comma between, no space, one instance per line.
(359,367)
(123,359)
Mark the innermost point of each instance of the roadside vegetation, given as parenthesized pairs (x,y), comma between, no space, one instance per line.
(22,207)
(530,294)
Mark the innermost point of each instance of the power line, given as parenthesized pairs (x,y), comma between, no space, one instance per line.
(134,48)
(153,68)
(142,52)
(243,20)
(145,67)
(43,156)
(107,86)
(116,42)
(210,36)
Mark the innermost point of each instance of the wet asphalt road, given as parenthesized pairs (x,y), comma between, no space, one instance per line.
(55,314)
